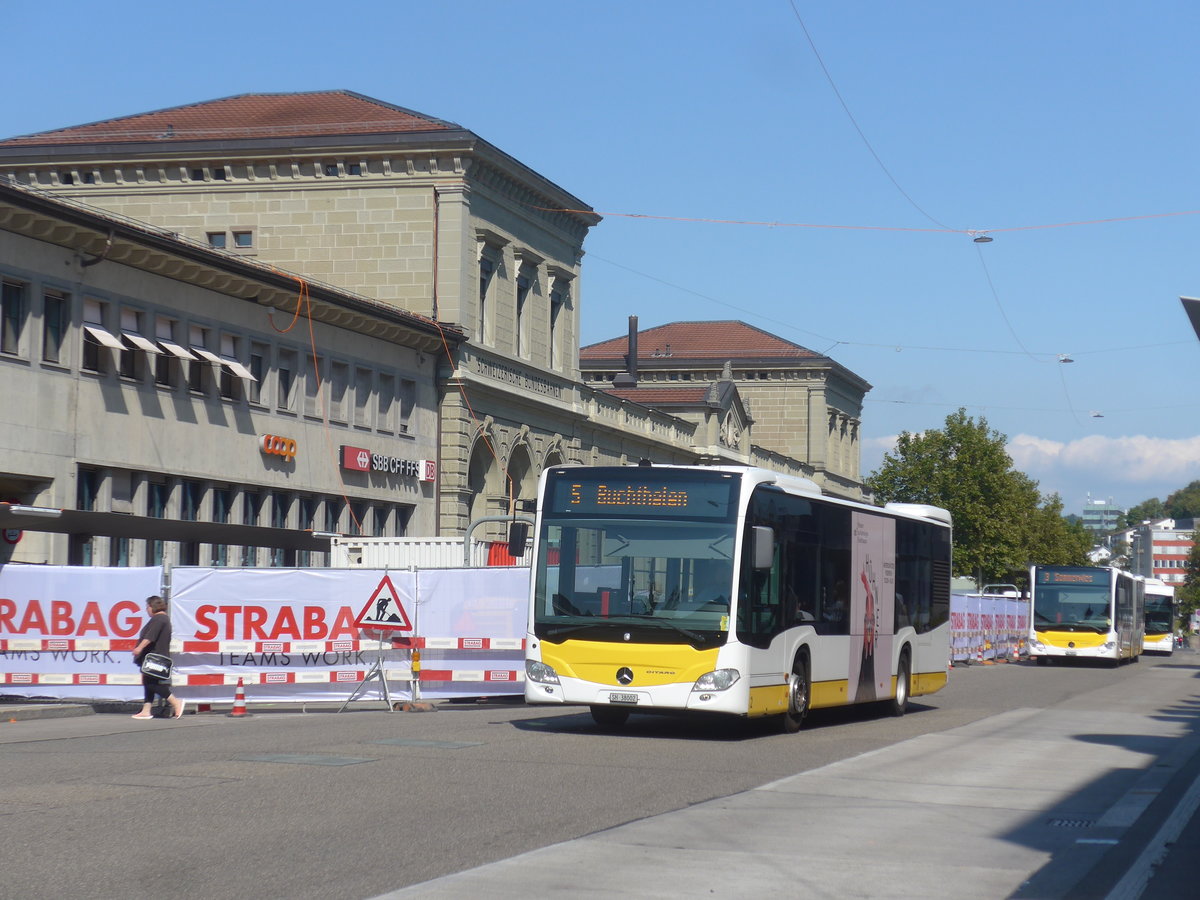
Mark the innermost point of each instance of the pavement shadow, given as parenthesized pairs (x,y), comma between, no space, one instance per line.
(1092,843)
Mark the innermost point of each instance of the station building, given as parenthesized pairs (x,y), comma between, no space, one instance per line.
(160,403)
(444,282)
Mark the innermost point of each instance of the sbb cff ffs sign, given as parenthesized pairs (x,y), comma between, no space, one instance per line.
(359,459)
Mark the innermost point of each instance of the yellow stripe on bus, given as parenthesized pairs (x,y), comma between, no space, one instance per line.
(651,664)
(1066,638)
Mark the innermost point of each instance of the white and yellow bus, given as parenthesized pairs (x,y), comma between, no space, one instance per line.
(731,589)
(1160,616)
(1085,612)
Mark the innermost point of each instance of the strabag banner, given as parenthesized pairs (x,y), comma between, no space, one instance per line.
(289,634)
(68,632)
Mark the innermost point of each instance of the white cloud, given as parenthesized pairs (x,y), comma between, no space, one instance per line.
(1136,458)
(1130,469)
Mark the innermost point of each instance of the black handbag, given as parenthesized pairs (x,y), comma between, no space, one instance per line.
(156,665)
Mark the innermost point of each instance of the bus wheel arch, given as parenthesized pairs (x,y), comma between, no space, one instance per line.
(799,692)
(899,702)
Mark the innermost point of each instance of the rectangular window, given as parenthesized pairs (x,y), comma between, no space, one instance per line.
(217,240)
(12,316)
(54,327)
(98,342)
(259,354)
(132,359)
(191,494)
(339,382)
(487,269)
(234,376)
(408,400)
(522,343)
(333,516)
(118,551)
(362,397)
(87,489)
(312,387)
(285,379)
(200,370)
(167,363)
(557,302)
(387,393)
(243,240)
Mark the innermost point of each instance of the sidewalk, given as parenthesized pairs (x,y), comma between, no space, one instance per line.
(1071,802)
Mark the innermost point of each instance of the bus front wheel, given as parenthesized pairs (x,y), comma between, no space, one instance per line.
(609,716)
(799,695)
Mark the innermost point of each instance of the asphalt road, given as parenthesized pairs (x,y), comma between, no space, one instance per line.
(357,804)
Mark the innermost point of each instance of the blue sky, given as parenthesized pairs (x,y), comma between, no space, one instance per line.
(877,149)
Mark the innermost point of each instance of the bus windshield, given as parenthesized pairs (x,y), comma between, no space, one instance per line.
(1158,614)
(641,553)
(1083,605)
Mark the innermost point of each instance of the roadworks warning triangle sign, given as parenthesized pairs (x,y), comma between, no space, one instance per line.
(384,609)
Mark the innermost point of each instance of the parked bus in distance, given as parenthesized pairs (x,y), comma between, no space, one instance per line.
(1160,616)
(730,589)
(1085,612)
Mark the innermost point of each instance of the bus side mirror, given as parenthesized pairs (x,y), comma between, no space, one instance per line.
(764,547)
(518,534)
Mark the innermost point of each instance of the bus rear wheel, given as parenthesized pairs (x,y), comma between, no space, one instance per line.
(899,704)
(799,695)
(609,716)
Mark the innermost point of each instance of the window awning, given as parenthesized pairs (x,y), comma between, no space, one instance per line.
(206,355)
(237,368)
(174,349)
(102,336)
(141,342)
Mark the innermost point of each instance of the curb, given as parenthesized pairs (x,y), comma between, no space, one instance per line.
(21,711)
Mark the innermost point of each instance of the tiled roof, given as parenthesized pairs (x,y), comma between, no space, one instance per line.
(661,396)
(699,340)
(245,116)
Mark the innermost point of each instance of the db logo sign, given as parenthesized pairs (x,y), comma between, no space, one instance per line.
(274,445)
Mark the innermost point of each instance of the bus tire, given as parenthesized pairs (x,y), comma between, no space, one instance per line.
(609,716)
(799,690)
(899,704)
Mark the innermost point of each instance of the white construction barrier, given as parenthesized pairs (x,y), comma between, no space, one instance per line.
(289,634)
(987,628)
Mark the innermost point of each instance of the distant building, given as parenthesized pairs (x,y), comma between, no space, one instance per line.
(804,405)
(1102,516)
(1160,549)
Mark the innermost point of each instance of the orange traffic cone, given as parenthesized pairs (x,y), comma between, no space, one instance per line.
(239,701)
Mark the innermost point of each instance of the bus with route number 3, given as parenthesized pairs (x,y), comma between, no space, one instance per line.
(730,589)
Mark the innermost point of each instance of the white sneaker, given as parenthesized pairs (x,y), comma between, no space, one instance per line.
(182,704)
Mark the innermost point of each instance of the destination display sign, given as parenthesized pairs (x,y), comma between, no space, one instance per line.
(624,495)
(1072,576)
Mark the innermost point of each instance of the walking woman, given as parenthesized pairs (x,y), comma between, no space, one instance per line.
(156,638)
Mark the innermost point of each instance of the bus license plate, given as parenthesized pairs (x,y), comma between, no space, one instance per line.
(1070,652)
(623,698)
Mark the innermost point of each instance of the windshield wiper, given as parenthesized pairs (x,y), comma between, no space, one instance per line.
(690,635)
(571,629)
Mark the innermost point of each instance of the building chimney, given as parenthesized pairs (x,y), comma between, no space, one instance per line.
(629,377)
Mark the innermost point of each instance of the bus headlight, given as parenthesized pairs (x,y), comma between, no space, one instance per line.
(1035,644)
(720,680)
(540,672)
(1110,645)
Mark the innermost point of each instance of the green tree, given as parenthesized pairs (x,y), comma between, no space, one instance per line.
(1001,523)
(1147,509)
(1187,596)
(1184,503)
